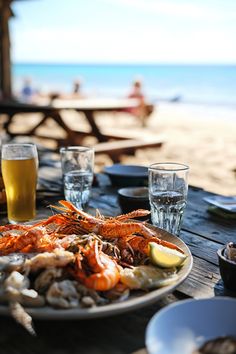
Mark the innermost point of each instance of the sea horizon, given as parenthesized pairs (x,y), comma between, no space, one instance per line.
(189,83)
(19,62)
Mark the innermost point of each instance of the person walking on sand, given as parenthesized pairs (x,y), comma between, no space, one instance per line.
(77,92)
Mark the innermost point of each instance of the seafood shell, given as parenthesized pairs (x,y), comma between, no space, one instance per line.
(63,295)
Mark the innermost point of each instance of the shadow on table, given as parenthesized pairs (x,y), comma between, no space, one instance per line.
(220,290)
(117,335)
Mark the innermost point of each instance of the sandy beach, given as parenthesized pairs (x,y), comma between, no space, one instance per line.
(201,136)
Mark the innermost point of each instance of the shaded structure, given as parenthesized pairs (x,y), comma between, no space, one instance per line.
(5,61)
(5,56)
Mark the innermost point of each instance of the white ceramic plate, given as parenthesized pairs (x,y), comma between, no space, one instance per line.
(186,325)
(135,301)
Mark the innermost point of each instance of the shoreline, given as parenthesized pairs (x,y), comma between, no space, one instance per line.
(191,83)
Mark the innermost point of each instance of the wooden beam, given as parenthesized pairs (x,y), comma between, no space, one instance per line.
(5,61)
(115,149)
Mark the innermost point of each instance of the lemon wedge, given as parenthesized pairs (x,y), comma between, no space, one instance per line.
(165,257)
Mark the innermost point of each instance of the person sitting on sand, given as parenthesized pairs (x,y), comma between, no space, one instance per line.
(143,110)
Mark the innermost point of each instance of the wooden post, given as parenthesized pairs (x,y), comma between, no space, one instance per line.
(5,61)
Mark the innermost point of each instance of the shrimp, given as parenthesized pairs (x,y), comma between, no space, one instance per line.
(75,221)
(140,244)
(105,273)
(30,241)
(133,214)
(62,224)
(10,227)
(108,228)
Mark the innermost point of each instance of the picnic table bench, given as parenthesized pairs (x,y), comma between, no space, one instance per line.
(116,149)
(202,231)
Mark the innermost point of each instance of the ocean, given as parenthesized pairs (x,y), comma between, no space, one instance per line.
(195,84)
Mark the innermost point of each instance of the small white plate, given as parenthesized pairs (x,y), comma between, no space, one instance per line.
(186,325)
(225,203)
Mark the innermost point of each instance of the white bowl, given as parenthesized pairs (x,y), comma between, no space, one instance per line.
(186,325)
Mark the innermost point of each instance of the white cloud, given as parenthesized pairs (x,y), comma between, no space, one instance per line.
(156,45)
(167,38)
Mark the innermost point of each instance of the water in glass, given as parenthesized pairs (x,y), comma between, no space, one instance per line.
(167,210)
(168,189)
(77,186)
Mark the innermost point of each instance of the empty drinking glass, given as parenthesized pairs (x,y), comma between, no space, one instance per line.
(77,167)
(168,188)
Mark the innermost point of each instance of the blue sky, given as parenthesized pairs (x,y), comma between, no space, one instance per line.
(124,31)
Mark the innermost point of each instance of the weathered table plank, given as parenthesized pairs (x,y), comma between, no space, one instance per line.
(198,220)
(117,334)
(202,280)
(201,247)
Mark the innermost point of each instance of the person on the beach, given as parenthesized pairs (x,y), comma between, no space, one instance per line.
(143,110)
(136,90)
(27,91)
(76,92)
(77,87)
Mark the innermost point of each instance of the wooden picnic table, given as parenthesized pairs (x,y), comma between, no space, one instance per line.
(112,144)
(89,107)
(202,231)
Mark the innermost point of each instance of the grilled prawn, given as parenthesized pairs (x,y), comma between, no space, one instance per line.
(104,270)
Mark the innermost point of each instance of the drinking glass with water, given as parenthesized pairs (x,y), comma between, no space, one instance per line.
(168,188)
(77,167)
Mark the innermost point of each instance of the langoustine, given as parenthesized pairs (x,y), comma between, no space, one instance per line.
(141,244)
(74,220)
(31,240)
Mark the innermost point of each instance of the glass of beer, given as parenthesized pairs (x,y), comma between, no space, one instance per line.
(19,171)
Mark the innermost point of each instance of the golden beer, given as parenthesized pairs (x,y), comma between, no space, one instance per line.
(20,179)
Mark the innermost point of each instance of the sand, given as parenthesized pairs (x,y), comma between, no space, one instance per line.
(202,137)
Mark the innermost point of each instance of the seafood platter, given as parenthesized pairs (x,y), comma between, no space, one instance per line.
(77,266)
